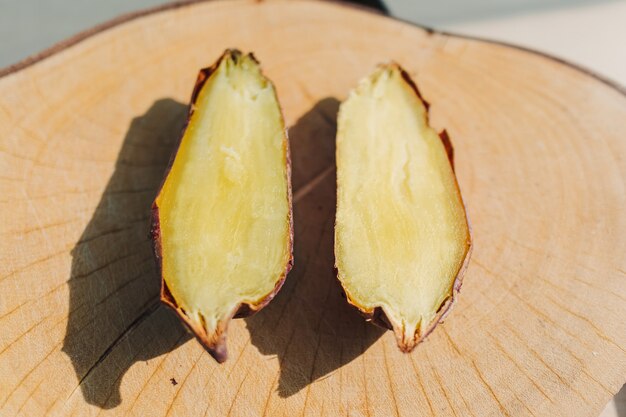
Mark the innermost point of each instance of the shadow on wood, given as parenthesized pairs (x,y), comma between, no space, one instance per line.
(116,318)
(620,402)
(309,324)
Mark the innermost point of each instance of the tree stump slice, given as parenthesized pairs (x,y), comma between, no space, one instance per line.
(87,128)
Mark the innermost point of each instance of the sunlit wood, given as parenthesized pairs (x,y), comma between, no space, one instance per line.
(85,136)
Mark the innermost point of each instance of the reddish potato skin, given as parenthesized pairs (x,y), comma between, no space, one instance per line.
(215,343)
(377,315)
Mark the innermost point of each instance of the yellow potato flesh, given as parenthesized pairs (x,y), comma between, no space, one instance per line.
(401,232)
(224,209)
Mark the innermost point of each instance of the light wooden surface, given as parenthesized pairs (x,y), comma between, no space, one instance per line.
(85,135)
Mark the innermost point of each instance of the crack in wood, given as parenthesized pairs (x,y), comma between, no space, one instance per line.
(132,326)
(393,395)
(493,394)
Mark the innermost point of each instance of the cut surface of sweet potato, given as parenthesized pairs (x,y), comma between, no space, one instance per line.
(222,220)
(401,236)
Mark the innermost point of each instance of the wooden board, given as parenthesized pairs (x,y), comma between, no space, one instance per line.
(85,135)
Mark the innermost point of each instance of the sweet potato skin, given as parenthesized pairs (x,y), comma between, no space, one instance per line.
(215,343)
(377,315)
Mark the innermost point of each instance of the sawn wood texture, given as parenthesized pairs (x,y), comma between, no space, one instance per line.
(86,133)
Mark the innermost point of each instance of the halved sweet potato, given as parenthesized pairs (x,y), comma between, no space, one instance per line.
(222,222)
(401,235)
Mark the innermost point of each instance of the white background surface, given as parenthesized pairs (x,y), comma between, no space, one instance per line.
(592,35)
(589,33)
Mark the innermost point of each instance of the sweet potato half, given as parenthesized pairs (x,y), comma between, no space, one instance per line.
(401,236)
(222,221)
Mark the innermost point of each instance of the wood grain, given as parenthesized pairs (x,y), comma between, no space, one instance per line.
(86,133)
